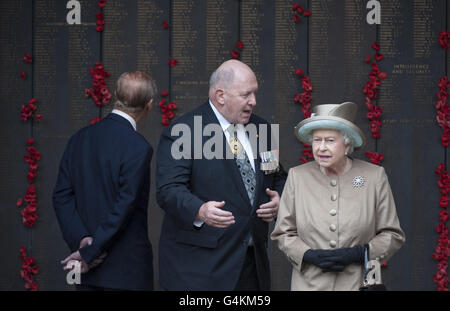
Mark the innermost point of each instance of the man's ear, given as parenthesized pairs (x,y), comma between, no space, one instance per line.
(150,104)
(220,96)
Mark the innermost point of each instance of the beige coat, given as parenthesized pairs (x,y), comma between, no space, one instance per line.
(321,212)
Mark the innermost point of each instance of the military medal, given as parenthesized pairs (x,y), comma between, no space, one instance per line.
(270,161)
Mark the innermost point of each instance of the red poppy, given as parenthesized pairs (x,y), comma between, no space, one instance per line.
(165,121)
(378,56)
(240,45)
(368,60)
(19,202)
(169,114)
(101,3)
(296,18)
(305,97)
(443,202)
(445,139)
(164,93)
(235,54)
(162,102)
(444,38)
(295,6)
(375,46)
(303,160)
(27,58)
(443,216)
(38,117)
(307,13)
(172,106)
(23,75)
(299,9)
(382,75)
(306,84)
(299,72)
(165,25)
(173,62)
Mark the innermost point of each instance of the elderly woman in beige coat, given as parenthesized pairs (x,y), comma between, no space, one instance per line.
(334,207)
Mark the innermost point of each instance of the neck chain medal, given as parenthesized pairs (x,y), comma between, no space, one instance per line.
(236,147)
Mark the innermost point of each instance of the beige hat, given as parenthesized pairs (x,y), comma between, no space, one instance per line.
(333,117)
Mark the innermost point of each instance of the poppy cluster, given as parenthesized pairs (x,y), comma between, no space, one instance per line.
(32,159)
(99,91)
(304,98)
(236,52)
(166,109)
(443,110)
(444,39)
(29,269)
(442,250)
(307,153)
(29,214)
(28,111)
(371,91)
(375,157)
(100,18)
(299,11)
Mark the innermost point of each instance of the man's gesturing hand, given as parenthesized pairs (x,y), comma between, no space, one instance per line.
(212,214)
(269,211)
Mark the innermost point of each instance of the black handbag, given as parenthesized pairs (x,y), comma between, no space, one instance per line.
(372,274)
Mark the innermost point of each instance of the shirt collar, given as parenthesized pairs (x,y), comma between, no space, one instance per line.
(126,116)
(224,123)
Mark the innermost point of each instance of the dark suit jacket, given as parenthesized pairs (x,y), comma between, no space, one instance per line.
(102,191)
(208,258)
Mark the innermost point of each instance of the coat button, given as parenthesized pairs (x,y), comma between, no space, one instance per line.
(334,197)
(333,212)
(333,243)
(333,182)
(332,227)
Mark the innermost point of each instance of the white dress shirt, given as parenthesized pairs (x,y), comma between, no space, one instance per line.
(126,116)
(241,134)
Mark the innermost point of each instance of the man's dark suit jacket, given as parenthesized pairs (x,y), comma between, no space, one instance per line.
(208,258)
(102,191)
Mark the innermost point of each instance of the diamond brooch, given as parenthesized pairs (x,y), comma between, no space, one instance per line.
(358,182)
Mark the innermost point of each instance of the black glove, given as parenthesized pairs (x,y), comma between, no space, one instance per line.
(345,256)
(315,257)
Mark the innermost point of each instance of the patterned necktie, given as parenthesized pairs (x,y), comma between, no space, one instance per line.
(243,164)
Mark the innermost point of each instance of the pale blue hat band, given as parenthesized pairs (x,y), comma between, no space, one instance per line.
(304,132)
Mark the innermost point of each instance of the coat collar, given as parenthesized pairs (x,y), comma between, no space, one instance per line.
(120,119)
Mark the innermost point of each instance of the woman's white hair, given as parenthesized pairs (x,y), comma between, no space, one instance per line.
(348,141)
